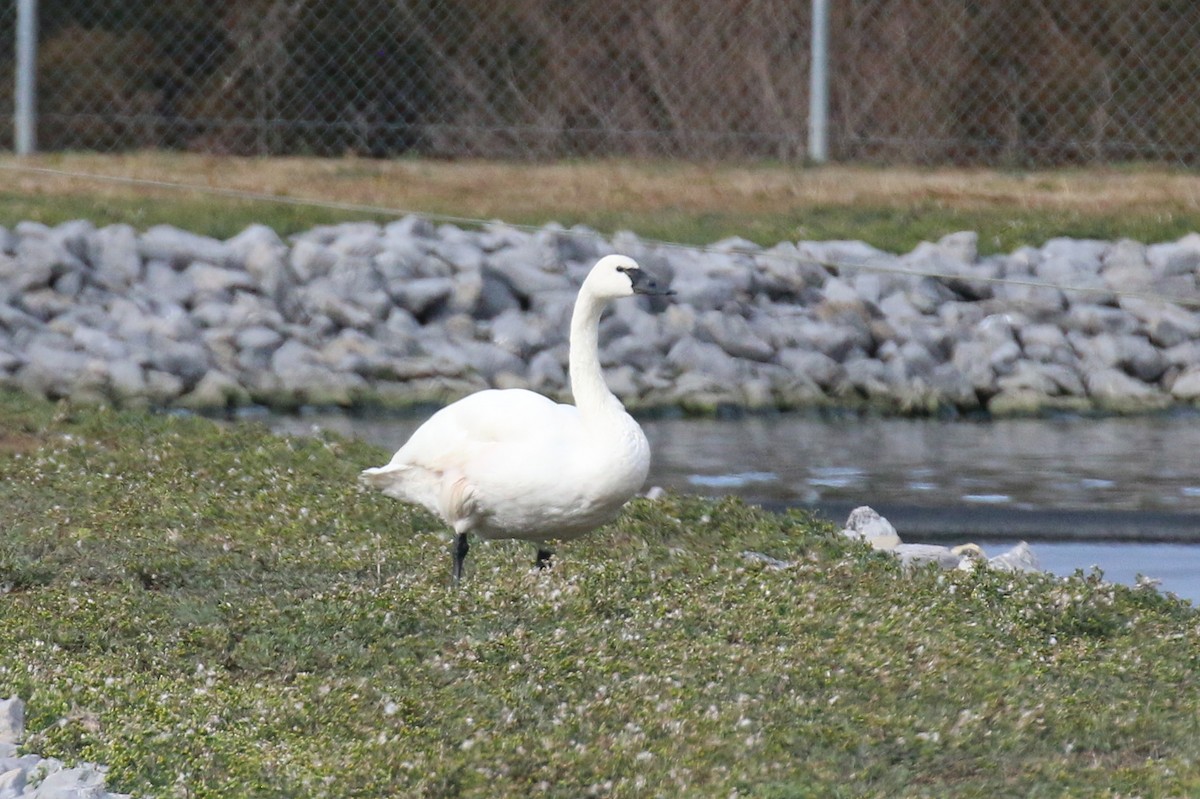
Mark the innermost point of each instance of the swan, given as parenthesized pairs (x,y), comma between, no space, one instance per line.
(511,463)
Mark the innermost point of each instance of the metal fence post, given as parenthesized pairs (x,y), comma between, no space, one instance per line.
(25,100)
(818,84)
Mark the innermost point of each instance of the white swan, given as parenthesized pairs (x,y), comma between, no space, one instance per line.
(514,464)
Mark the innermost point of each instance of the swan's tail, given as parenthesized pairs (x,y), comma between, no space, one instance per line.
(382,477)
(405,482)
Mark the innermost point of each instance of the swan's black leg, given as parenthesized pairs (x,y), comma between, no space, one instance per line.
(461,547)
(543,558)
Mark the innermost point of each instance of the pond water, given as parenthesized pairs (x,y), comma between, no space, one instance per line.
(1119,493)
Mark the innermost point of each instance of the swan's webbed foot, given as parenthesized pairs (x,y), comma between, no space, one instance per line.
(543,558)
(461,547)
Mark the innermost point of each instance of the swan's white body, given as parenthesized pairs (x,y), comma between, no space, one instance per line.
(514,464)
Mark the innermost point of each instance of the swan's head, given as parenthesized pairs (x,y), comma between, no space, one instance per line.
(616,276)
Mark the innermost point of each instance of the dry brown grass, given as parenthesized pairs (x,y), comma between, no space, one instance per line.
(488,189)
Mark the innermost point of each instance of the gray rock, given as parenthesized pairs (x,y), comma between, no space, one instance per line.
(126,380)
(1186,387)
(34,266)
(99,343)
(310,259)
(186,360)
(422,296)
(1165,324)
(1018,559)
(179,247)
(962,246)
(865,524)
(115,258)
(14,319)
(897,307)
(321,298)
(547,372)
(527,271)
(215,282)
(841,292)
(815,366)
(12,720)
(691,355)
(928,294)
(733,335)
(784,272)
(914,555)
(51,370)
(81,782)
(1175,258)
(841,338)
(1093,319)
(263,255)
(411,226)
(1113,389)
(45,304)
(1134,354)
(1046,343)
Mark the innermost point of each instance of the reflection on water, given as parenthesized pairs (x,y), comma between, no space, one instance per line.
(1147,463)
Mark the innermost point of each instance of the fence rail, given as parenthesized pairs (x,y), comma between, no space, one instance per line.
(1002,82)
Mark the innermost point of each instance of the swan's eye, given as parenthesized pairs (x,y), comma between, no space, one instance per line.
(624,269)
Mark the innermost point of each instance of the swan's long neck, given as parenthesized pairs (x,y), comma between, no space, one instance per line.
(591,393)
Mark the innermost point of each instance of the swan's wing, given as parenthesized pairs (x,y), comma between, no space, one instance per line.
(472,440)
(495,416)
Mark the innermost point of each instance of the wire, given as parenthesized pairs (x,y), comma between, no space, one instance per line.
(383,210)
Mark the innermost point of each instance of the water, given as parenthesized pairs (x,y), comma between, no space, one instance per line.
(1081,488)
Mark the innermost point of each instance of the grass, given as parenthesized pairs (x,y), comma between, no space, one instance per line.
(892,208)
(217,612)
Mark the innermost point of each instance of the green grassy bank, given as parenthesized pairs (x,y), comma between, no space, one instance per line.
(217,612)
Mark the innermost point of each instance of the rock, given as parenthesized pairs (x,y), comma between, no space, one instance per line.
(179,247)
(1095,319)
(1018,559)
(12,720)
(1045,343)
(214,282)
(33,266)
(691,355)
(82,782)
(1186,387)
(914,555)
(309,259)
(962,246)
(784,272)
(527,271)
(186,360)
(215,390)
(1175,258)
(733,335)
(126,381)
(1165,324)
(263,255)
(865,524)
(815,366)
(1114,390)
(1133,354)
(422,296)
(115,258)
(407,307)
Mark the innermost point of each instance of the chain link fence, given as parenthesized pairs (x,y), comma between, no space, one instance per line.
(1002,82)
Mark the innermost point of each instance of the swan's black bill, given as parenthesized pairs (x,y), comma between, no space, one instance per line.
(644,284)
